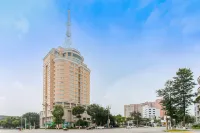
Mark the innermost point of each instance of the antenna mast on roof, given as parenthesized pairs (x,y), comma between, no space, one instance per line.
(68,33)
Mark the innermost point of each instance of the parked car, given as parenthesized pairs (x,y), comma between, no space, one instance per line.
(100,127)
(91,127)
(133,126)
(128,127)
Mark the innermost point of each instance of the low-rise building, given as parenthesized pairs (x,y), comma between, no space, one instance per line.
(150,112)
(139,108)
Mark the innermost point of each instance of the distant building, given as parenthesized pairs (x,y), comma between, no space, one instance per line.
(66,81)
(139,108)
(2,117)
(150,112)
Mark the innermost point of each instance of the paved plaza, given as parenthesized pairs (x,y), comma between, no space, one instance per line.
(119,130)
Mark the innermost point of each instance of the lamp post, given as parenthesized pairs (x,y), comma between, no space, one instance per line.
(46,106)
(170,110)
(108,122)
(25,123)
(21,123)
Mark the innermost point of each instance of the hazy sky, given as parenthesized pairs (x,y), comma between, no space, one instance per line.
(131,46)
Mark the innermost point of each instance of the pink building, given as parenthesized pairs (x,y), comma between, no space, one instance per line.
(138,107)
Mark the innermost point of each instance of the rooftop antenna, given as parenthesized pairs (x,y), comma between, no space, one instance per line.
(68,42)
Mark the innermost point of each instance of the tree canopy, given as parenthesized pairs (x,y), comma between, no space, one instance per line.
(99,114)
(32,119)
(78,110)
(10,122)
(120,119)
(58,113)
(137,117)
(177,95)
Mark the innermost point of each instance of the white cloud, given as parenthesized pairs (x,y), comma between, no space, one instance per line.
(18,85)
(190,25)
(144,3)
(22,26)
(2,105)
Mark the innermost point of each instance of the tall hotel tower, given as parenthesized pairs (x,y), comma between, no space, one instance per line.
(66,80)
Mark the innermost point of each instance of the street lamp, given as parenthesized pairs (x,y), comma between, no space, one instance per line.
(108,122)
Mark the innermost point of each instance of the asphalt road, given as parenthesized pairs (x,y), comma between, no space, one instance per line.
(121,130)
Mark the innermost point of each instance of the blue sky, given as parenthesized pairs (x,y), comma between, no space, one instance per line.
(131,46)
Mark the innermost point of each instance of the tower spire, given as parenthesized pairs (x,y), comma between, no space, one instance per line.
(68,33)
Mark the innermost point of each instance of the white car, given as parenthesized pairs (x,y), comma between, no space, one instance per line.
(128,127)
(133,126)
(100,127)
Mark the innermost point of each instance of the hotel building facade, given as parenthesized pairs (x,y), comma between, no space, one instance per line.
(66,82)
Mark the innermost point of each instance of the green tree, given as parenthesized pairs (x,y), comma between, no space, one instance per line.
(168,101)
(77,111)
(189,119)
(3,123)
(183,91)
(119,119)
(58,113)
(16,123)
(32,119)
(145,121)
(129,118)
(99,114)
(136,116)
(81,122)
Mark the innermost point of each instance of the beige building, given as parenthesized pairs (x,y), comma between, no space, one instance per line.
(66,81)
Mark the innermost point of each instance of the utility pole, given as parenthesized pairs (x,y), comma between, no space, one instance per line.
(108,116)
(29,122)
(166,123)
(25,123)
(45,106)
(21,123)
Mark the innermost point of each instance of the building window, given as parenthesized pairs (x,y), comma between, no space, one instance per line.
(69,53)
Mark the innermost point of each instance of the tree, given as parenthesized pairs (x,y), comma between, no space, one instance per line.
(145,121)
(99,114)
(81,122)
(16,123)
(129,118)
(58,113)
(77,111)
(3,123)
(32,119)
(136,116)
(189,119)
(183,91)
(119,119)
(168,101)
